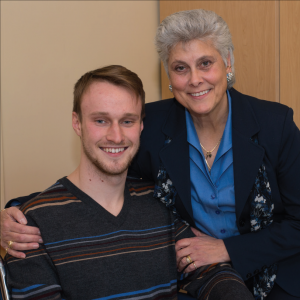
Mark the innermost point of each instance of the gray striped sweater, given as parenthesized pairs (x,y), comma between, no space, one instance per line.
(90,254)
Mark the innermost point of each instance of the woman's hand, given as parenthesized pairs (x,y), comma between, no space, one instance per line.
(13,228)
(202,249)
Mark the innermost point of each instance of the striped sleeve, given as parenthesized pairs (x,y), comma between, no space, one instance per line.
(217,281)
(182,230)
(34,277)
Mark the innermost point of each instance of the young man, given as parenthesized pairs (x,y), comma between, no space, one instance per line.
(105,237)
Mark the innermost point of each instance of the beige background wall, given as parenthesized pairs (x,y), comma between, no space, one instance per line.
(45,47)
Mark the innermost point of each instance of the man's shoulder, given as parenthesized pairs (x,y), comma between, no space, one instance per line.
(141,191)
(140,188)
(55,195)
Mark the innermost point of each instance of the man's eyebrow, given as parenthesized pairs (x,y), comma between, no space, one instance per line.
(99,113)
(131,115)
(102,113)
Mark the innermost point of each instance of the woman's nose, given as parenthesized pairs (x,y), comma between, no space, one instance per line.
(196,78)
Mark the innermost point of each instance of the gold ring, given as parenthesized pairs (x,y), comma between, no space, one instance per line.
(188,259)
(10,243)
(195,265)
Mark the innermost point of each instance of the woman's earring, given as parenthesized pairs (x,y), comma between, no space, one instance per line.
(229,76)
(170,88)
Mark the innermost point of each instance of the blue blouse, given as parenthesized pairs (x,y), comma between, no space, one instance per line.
(212,194)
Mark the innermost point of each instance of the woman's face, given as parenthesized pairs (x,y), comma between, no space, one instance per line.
(198,77)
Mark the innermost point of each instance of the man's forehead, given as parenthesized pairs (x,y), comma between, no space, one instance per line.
(105,98)
(107,89)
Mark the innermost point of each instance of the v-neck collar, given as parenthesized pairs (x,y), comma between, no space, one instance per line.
(95,208)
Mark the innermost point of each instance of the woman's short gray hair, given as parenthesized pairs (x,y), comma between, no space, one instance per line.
(188,25)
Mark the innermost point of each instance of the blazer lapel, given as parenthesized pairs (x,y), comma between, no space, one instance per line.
(247,156)
(175,158)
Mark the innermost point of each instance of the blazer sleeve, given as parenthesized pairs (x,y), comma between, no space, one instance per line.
(252,252)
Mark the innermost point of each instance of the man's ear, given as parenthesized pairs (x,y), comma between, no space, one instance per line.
(142,126)
(76,124)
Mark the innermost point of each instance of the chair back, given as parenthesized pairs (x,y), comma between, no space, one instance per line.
(3,287)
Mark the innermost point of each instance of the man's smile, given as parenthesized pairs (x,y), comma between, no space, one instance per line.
(113,150)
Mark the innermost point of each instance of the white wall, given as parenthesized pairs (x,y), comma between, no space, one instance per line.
(45,47)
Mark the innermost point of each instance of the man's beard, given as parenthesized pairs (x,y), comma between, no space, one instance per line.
(104,168)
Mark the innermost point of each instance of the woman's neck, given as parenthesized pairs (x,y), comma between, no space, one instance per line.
(212,124)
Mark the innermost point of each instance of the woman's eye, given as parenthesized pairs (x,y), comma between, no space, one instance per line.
(206,63)
(180,68)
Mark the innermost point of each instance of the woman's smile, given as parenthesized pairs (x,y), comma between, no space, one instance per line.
(200,93)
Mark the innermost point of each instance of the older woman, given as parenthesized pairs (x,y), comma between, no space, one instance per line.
(226,162)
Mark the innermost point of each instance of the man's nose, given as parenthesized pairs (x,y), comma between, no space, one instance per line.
(115,134)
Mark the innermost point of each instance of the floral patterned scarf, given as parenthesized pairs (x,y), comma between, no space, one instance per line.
(261,216)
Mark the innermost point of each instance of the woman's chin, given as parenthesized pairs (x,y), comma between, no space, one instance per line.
(200,111)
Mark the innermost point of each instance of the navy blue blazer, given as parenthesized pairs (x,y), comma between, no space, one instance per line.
(278,148)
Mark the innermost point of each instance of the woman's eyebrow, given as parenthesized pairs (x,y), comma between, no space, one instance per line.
(198,59)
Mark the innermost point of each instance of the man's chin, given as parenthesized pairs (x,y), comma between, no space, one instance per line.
(112,170)
(111,167)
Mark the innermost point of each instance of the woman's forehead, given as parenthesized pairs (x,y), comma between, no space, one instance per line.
(193,48)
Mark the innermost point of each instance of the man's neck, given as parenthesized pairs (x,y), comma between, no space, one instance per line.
(106,190)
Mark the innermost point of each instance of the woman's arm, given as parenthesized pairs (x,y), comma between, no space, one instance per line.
(13,228)
(32,278)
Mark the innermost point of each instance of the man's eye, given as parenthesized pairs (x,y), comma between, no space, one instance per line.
(100,121)
(127,122)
